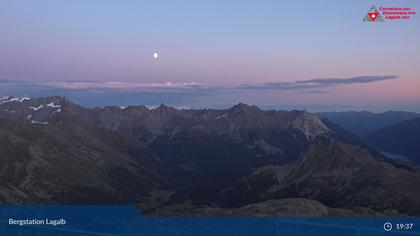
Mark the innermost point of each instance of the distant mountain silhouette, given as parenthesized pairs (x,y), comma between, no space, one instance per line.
(362,123)
(402,138)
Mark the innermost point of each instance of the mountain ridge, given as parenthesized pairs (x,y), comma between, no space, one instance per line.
(180,161)
(401,138)
(362,123)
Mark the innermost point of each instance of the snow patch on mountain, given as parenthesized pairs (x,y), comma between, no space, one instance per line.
(53,105)
(36,108)
(222,116)
(6,99)
(39,122)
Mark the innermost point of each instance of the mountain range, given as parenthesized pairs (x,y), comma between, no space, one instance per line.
(362,123)
(402,138)
(394,133)
(167,161)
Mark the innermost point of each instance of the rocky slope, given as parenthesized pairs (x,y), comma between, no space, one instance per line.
(273,207)
(71,162)
(336,174)
(241,160)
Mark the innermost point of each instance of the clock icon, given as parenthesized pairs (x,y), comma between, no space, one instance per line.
(387,226)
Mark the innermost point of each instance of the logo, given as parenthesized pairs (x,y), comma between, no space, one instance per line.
(373,15)
(389,14)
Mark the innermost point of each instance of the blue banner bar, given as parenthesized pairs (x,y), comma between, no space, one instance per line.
(127,220)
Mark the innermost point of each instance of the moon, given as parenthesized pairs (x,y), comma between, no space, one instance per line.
(155,55)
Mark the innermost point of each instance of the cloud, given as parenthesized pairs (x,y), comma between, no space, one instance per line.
(315,92)
(191,87)
(316,83)
(98,93)
(129,86)
(352,80)
(9,81)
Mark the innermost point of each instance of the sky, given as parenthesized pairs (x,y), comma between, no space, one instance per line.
(314,55)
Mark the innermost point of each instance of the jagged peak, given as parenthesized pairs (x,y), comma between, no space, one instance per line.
(162,106)
(112,108)
(309,123)
(138,107)
(171,107)
(244,107)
